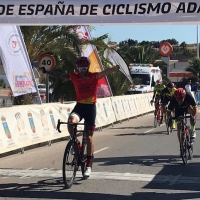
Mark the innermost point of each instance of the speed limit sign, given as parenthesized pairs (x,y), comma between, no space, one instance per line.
(47,61)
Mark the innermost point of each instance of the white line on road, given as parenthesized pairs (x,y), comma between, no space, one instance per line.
(101,150)
(149,130)
(153,128)
(49,173)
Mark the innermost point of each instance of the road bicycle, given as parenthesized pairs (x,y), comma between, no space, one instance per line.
(167,121)
(157,116)
(186,142)
(77,152)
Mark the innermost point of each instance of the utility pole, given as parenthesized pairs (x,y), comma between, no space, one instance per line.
(197,41)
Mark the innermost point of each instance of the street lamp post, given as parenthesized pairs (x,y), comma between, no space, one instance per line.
(197,41)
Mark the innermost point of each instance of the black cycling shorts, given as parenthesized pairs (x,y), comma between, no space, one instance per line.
(164,101)
(86,112)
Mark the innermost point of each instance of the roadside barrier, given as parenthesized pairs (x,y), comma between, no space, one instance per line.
(23,126)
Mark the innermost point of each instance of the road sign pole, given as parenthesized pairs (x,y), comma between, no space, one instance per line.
(47,88)
(48,62)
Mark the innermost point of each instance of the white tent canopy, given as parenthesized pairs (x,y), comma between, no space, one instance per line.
(71,12)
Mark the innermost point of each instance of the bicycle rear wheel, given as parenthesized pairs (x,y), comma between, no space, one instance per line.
(190,147)
(84,160)
(168,127)
(84,156)
(70,160)
(155,122)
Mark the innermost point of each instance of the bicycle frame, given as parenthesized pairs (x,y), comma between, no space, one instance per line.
(79,156)
(159,116)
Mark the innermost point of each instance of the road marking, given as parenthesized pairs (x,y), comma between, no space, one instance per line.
(50,173)
(153,128)
(101,150)
(149,130)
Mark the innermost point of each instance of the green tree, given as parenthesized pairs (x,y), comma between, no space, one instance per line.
(194,67)
(140,54)
(171,41)
(183,46)
(1,82)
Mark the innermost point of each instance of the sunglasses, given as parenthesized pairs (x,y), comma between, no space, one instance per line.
(82,69)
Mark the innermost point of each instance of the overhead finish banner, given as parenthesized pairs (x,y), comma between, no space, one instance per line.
(49,12)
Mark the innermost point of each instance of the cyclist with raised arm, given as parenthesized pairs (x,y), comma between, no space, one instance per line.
(157,93)
(167,95)
(182,103)
(85,84)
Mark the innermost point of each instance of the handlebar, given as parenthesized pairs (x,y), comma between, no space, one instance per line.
(70,123)
(182,117)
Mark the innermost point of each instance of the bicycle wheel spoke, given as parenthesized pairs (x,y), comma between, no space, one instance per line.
(69,164)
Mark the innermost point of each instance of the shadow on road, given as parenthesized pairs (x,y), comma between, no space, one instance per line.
(132,127)
(40,190)
(142,134)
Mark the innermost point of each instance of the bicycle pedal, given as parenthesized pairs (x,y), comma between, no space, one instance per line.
(192,142)
(84,160)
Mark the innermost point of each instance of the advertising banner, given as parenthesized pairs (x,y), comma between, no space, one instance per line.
(23,126)
(15,61)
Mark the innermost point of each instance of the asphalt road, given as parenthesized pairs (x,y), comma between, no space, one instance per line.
(132,161)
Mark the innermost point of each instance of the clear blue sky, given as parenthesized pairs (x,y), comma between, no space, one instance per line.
(181,33)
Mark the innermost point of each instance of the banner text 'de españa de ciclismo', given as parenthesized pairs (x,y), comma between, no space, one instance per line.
(82,11)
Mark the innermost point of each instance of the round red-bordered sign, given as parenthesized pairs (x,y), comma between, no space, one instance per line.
(165,49)
(47,61)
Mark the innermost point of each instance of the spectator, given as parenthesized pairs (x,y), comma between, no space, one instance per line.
(195,87)
(188,87)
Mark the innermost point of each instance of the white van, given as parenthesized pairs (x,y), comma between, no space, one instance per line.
(147,75)
(42,88)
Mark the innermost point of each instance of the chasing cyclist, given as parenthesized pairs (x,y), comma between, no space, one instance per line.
(85,84)
(166,96)
(157,93)
(182,103)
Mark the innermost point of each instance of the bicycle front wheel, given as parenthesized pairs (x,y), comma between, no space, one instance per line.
(184,150)
(70,160)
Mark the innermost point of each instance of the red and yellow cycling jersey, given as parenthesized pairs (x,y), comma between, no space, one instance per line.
(86,89)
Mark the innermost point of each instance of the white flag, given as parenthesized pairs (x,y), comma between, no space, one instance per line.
(16,62)
(116,59)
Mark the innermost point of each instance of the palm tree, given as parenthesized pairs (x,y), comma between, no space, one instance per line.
(194,67)
(140,54)
(183,46)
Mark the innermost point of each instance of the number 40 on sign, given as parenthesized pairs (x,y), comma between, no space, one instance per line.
(47,61)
